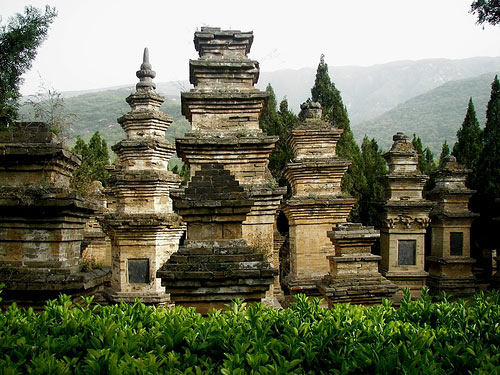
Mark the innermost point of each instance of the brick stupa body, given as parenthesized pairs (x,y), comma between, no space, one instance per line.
(215,265)
(142,225)
(317,202)
(404,217)
(224,109)
(42,220)
(450,264)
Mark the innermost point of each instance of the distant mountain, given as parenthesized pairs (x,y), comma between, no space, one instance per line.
(370,91)
(367,92)
(434,116)
(98,111)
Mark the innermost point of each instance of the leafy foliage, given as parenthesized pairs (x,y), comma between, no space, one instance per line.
(445,151)
(487,11)
(374,166)
(420,337)
(48,106)
(19,41)
(95,157)
(487,174)
(425,157)
(468,146)
(278,122)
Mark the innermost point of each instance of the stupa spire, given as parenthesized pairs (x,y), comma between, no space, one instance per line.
(145,74)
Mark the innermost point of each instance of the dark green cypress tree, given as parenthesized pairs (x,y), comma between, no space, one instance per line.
(334,111)
(469,145)
(374,166)
(268,120)
(445,151)
(278,122)
(425,157)
(487,176)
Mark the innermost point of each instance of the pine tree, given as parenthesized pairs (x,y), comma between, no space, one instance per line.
(469,145)
(269,118)
(445,151)
(374,166)
(95,157)
(487,176)
(334,111)
(278,122)
(425,157)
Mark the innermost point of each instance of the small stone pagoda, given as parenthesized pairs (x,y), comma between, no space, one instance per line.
(215,265)
(317,202)
(42,220)
(404,217)
(143,228)
(354,275)
(224,109)
(450,264)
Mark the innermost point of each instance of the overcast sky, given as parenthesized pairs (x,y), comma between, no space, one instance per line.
(98,43)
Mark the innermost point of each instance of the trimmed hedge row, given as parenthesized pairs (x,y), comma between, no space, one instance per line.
(421,337)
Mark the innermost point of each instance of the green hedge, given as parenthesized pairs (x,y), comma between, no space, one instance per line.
(421,337)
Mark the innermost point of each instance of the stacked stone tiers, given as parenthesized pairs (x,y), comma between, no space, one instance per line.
(215,265)
(450,264)
(143,228)
(224,109)
(245,157)
(148,153)
(317,202)
(354,276)
(41,219)
(316,177)
(404,217)
(318,142)
(224,100)
(143,191)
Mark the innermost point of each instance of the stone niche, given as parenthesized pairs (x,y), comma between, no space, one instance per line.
(317,202)
(450,264)
(143,228)
(404,217)
(42,220)
(224,109)
(354,275)
(215,264)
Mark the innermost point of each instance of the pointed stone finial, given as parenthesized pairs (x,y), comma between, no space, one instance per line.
(145,74)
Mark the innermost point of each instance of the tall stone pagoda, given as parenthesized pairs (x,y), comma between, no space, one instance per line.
(317,202)
(215,265)
(143,228)
(42,220)
(354,276)
(450,264)
(404,217)
(224,109)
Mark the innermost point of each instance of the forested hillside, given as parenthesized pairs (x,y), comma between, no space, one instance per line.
(370,91)
(98,111)
(435,116)
(367,92)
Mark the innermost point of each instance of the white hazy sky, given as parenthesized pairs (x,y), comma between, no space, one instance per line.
(98,43)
